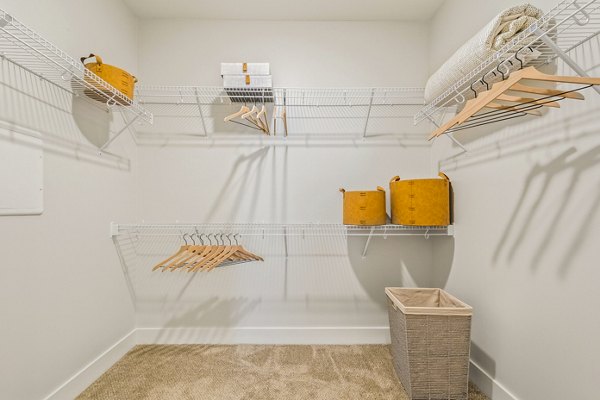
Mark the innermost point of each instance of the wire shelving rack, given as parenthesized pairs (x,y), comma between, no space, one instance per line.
(563,29)
(285,231)
(26,48)
(293,112)
(267,229)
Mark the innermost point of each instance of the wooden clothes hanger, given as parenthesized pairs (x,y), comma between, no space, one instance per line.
(191,253)
(517,105)
(247,115)
(239,113)
(263,120)
(181,251)
(232,252)
(250,116)
(207,257)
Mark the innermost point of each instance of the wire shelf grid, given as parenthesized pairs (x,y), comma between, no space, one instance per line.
(564,28)
(269,230)
(337,112)
(26,48)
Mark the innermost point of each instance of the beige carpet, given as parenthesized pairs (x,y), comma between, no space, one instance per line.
(252,372)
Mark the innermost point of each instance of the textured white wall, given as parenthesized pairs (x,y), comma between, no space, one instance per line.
(525,254)
(63,299)
(321,284)
(304,54)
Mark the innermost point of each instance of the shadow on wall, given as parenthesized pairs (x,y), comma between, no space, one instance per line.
(443,258)
(487,364)
(236,187)
(395,261)
(214,312)
(571,163)
(93,122)
(542,133)
(71,126)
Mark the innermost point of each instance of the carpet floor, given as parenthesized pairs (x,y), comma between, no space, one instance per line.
(252,372)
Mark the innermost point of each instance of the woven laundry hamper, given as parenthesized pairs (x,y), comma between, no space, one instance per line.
(431,334)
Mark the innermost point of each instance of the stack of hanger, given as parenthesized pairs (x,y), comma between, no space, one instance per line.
(193,257)
(513,97)
(253,118)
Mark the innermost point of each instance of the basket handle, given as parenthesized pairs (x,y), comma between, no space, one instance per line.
(395,179)
(379,188)
(92,55)
(342,190)
(444,176)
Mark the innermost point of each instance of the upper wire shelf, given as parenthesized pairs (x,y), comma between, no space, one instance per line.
(564,28)
(293,112)
(26,48)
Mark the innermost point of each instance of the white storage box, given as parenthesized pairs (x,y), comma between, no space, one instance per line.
(245,69)
(247,81)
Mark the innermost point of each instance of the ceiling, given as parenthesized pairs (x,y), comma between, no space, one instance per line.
(305,10)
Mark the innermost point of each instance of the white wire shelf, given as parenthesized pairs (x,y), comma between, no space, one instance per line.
(225,232)
(567,26)
(268,230)
(334,112)
(24,47)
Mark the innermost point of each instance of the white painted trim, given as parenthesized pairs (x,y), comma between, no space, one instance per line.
(265,335)
(490,386)
(88,374)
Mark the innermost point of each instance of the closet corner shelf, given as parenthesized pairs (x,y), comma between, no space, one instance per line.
(24,47)
(564,28)
(331,113)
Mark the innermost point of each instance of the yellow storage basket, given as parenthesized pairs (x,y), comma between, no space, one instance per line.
(120,79)
(420,202)
(364,208)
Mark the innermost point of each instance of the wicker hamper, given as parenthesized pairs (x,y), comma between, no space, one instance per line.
(431,333)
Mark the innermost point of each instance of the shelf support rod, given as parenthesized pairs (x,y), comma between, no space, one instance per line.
(364,253)
(449,134)
(114,229)
(368,113)
(201,114)
(285,240)
(564,56)
(116,135)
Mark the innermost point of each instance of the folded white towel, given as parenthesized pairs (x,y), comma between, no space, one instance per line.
(498,32)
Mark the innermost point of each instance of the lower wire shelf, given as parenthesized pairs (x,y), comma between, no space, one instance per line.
(266,229)
(183,232)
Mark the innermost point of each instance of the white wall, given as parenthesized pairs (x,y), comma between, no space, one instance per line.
(304,54)
(63,299)
(525,252)
(324,283)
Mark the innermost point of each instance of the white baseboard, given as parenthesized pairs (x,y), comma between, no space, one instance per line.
(265,335)
(88,374)
(490,386)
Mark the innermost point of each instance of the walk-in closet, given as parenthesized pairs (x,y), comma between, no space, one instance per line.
(316,200)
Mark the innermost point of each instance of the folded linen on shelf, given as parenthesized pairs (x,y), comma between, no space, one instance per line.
(497,33)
